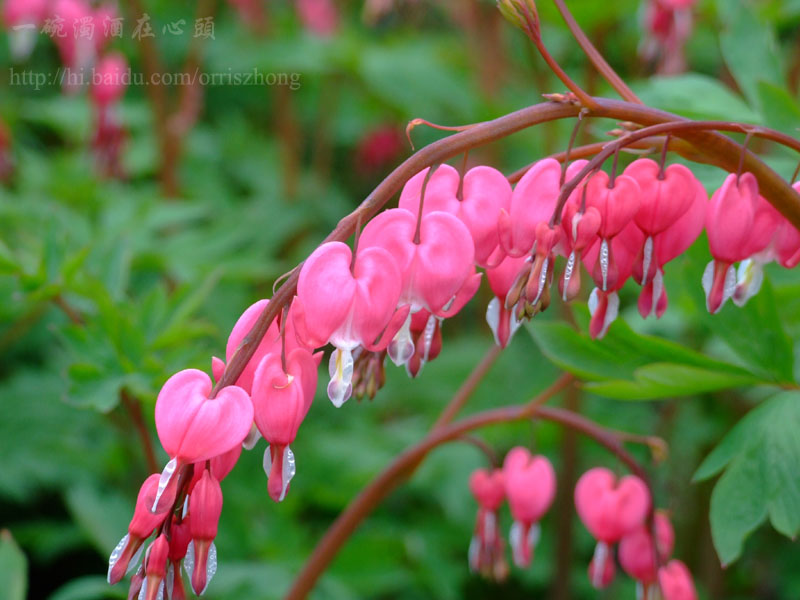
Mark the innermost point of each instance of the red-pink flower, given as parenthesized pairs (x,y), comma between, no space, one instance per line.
(637,555)
(530,483)
(604,303)
(532,202)
(193,427)
(617,206)
(205,508)
(125,556)
(503,321)
(739,224)
(348,308)
(610,509)
(76,48)
(580,233)
(486,552)
(426,334)
(155,568)
(436,265)
(281,400)
(476,202)
(676,582)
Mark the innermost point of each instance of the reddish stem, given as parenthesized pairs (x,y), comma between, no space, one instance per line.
(594,55)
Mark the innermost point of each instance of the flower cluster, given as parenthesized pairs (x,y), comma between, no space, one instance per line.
(615,511)
(413,267)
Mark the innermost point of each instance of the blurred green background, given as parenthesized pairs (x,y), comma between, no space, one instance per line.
(266,171)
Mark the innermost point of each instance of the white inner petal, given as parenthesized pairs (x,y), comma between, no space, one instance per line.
(647,259)
(116,553)
(568,274)
(163,481)
(493,318)
(401,348)
(604,262)
(341,371)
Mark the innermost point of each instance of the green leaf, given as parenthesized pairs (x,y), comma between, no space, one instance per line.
(92,587)
(8,264)
(103,516)
(761,455)
(695,96)
(13,568)
(779,109)
(662,380)
(629,366)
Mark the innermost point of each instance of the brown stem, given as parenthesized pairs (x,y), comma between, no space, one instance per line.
(404,464)
(534,32)
(681,128)
(72,314)
(134,408)
(711,148)
(594,55)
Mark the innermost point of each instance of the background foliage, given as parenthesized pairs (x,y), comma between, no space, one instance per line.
(266,173)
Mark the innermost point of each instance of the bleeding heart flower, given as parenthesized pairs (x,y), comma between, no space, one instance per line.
(602,579)
(108,81)
(484,192)
(281,400)
(729,223)
(666,246)
(486,549)
(426,334)
(124,557)
(437,266)
(77,51)
(637,555)
(193,427)
(532,202)
(617,206)
(530,483)
(580,233)
(348,308)
(17,14)
(155,569)
(604,304)
(609,509)
(502,320)
(676,582)
(205,508)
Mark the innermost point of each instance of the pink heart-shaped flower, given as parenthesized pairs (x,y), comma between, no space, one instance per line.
(488,488)
(343,307)
(193,427)
(610,508)
(435,269)
(617,206)
(730,216)
(663,199)
(281,399)
(636,552)
(530,483)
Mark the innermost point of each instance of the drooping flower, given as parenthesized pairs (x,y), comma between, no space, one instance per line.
(436,263)
(530,483)
(281,400)
(738,225)
(532,202)
(108,87)
(193,427)
(604,303)
(320,17)
(666,195)
(618,203)
(124,557)
(676,582)
(638,556)
(503,321)
(486,549)
(205,508)
(610,509)
(476,202)
(155,569)
(179,540)
(426,334)
(348,308)
(77,51)
(580,233)
(668,245)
